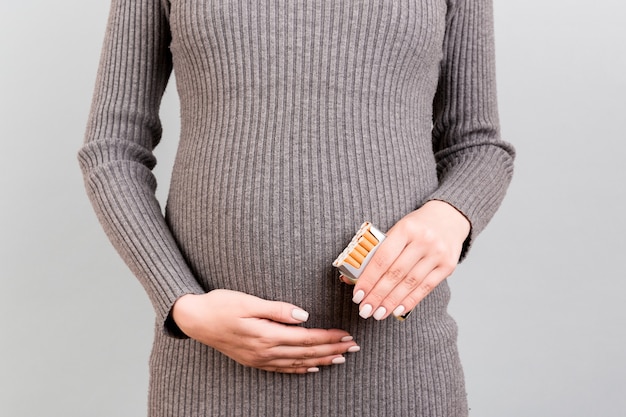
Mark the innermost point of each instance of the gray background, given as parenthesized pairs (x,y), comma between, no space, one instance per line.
(541,301)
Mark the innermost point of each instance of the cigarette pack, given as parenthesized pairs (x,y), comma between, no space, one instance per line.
(358,253)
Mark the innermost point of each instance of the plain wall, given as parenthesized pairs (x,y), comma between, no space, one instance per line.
(541,301)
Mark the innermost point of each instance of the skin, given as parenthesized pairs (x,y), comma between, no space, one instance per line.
(420,251)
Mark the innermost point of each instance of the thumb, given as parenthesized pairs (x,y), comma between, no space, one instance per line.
(282,312)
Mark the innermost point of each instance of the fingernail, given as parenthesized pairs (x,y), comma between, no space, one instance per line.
(398,311)
(299,315)
(380,313)
(313,370)
(347,338)
(353,349)
(366,311)
(358,297)
(339,360)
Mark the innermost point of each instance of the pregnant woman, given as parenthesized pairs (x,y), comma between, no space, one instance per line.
(300,120)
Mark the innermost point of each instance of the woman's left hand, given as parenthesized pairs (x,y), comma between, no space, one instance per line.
(420,251)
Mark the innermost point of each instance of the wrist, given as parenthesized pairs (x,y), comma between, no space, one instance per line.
(181,315)
(453,216)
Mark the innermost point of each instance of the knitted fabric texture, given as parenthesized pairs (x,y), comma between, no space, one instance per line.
(300,119)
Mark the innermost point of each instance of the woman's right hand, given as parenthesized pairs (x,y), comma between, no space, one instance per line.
(260,333)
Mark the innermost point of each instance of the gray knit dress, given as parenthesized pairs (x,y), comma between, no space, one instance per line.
(300,120)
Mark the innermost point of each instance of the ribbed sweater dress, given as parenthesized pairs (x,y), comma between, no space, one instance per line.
(300,120)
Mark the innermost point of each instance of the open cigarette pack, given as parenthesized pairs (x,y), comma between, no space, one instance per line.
(358,253)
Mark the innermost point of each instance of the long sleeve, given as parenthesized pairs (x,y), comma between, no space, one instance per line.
(117,158)
(474,165)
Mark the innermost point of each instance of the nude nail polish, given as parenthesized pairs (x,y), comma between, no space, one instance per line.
(299,315)
(353,349)
(366,311)
(358,297)
(339,360)
(346,338)
(398,311)
(315,369)
(378,315)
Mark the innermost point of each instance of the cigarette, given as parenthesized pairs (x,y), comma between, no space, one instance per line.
(352,262)
(357,255)
(370,238)
(361,250)
(366,244)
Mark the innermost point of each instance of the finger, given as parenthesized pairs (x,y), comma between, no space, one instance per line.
(283,358)
(346,280)
(290,370)
(300,336)
(283,365)
(411,281)
(428,284)
(287,370)
(318,352)
(390,279)
(278,311)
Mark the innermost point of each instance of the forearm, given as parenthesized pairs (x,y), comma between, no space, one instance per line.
(116,159)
